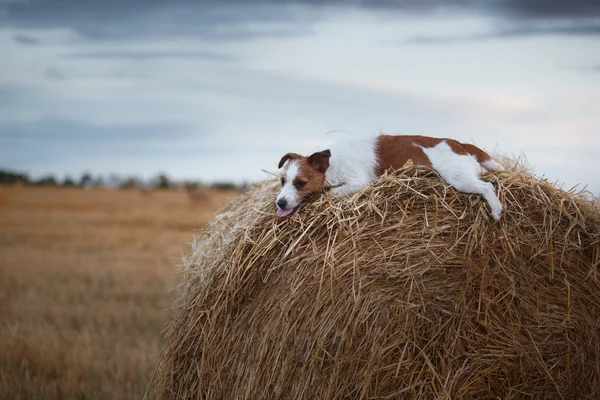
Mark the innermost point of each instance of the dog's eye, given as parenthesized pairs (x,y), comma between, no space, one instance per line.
(300,184)
(282,181)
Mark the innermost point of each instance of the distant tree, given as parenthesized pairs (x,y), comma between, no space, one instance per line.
(86,180)
(9,177)
(224,186)
(192,185)
(113,181)
(48,180)
(128,183)
(162,182)
(68,182)
(98,182)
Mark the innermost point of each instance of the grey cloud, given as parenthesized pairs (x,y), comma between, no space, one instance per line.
(589,69)
(244,19)
(149,28)
(148,55)
(62,130)
(26,40)
(571,29)
(56,144)
(534,9)
(115,8)
(112,19)
(54,74)
(12,95)
(550,8)
(59,141)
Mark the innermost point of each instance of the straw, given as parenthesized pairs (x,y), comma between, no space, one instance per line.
(408,290)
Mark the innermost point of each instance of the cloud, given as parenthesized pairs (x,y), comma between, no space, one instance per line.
(245,20)
(54,74)
(26,40)
(69,147)
(513,8)
(152,55)
(16,97)
(51,145)
(587,69)
(112,19)
(523,9)
(569,29)
(62,131)
(549,8)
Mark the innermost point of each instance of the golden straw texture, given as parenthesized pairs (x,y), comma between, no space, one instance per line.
(407,290)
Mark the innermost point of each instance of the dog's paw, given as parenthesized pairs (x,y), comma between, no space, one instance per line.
(497,213)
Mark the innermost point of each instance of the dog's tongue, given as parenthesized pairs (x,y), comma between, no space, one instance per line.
(283,213)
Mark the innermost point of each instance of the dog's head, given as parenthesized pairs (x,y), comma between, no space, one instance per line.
(301,177)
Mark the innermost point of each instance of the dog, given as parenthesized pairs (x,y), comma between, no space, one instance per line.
(348,167)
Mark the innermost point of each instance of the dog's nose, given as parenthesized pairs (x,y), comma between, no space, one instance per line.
(281,203)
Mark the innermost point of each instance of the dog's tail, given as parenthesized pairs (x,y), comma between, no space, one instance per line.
(492,165)
(486,161)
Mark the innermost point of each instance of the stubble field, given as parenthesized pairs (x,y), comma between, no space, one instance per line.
(85,286)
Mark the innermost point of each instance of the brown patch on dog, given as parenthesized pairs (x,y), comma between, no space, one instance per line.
(288,156)
(320,160)
(475,151)
(311,171)
(315,180)
(394,151)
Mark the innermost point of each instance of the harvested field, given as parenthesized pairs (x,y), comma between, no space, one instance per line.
(85,279)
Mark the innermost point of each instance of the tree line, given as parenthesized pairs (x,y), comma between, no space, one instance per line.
(87,180)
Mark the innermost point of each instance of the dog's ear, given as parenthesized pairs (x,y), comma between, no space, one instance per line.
(288,156)
(320,160)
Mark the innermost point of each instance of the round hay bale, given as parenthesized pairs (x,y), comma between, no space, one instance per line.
(407,290)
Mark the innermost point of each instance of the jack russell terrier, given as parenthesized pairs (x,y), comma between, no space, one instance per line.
(348,167)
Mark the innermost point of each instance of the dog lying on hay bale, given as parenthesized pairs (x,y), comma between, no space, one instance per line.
(406,290)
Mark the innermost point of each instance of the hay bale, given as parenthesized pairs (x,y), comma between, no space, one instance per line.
(407,290)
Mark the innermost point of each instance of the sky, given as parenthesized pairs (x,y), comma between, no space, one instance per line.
(221,89)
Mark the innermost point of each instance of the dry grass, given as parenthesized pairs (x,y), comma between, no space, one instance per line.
(84,285)
(408,290)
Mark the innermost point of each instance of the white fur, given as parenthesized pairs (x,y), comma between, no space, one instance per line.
(462,172)
(352,166)
(492,166)
(291,168)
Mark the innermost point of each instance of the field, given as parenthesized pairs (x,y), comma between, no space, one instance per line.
(85,279)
